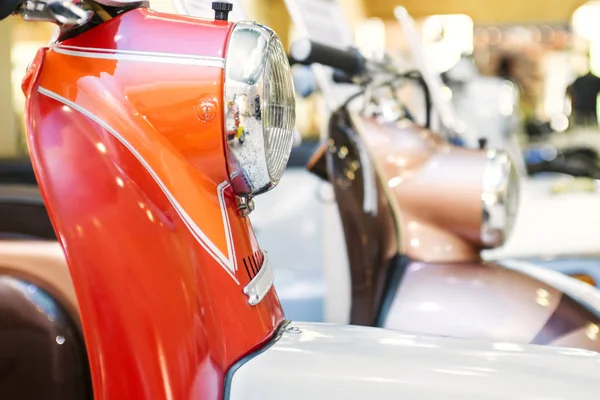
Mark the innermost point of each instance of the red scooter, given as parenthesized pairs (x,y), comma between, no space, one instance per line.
(179,288)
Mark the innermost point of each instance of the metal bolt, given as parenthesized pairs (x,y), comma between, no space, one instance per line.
(293,329)
(245,205)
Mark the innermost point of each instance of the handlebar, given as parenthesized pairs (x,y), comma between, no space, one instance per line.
(62,12)
(341,77)
(8,7)
(338,76)
(306,51)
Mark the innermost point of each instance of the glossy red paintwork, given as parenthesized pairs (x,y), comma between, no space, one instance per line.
(163,318)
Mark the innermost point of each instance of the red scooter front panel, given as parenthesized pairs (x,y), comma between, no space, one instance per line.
(126,134)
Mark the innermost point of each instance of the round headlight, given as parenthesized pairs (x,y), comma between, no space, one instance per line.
(260,109)
(500,198)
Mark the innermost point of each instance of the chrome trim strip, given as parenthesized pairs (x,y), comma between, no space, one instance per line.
(499,192)
(378,174)
(260,285)
(204,241)
(139,56)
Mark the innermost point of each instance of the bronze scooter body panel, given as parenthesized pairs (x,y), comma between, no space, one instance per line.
(436,186)
(510,306)
(442,287)
(372,237)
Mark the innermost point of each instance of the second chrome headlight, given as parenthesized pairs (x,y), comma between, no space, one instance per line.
(500,198)
(259,109)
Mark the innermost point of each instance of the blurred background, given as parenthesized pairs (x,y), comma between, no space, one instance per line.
(542,47)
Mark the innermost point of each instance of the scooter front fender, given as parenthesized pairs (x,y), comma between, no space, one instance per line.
(322,361)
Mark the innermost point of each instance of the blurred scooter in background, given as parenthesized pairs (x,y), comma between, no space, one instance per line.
(556,222)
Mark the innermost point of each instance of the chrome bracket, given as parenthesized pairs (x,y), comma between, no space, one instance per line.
(62,12)
(245,205)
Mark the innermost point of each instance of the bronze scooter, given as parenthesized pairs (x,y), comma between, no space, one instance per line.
(416,213)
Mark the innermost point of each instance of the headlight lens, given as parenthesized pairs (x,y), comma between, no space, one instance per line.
(500,198)
(259,109)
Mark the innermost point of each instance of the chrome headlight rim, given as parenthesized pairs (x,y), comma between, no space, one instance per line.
(500,196)
(258,144)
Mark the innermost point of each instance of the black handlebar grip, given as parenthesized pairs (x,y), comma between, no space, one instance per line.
(341,77)
(7,7)
(307,52)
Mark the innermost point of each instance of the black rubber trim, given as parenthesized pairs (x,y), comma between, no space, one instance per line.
(395,276)
(17,171)
(240,363)
(23,214)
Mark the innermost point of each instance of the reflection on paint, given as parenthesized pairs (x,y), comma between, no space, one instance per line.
(43,301)
(407,340)
(101,147)
(429,306)
(542,297)
(150,215)
(592,331)
(394,182)
(309,336)
(507,346)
